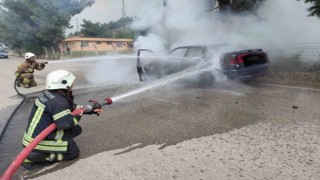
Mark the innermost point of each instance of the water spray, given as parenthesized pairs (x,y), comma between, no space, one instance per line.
(90,59)
(162,82)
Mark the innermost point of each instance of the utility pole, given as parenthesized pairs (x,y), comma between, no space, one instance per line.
(123,9)
(77,24)
(164,3)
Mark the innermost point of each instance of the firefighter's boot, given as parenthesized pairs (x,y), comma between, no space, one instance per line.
(34,160)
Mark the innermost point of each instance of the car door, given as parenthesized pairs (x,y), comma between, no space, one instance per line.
(194,58)
(177,60)
(140,67)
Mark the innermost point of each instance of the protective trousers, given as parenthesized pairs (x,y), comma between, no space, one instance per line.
(27,79)
(72,153)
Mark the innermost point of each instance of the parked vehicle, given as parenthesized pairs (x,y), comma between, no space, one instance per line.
(236,65)
(3,54)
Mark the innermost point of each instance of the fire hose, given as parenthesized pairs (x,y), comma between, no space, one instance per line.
(15,110)
(28,149)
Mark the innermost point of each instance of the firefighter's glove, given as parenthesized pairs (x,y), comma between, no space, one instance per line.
(42,65)
(95,108)
(31,70)
(108,101)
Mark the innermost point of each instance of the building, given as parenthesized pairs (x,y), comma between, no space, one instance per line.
(97,45)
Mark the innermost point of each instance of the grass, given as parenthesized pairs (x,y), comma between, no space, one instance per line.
(294,69)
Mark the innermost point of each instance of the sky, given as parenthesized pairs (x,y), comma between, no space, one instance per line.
(186,21)
(104,11)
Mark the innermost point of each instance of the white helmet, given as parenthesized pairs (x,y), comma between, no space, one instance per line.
(59,79)
(29,55)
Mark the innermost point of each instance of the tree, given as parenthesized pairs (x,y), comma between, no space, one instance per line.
(34,24)
(315,7)
(90,29)
(113,29)
(238,6)
(125,33)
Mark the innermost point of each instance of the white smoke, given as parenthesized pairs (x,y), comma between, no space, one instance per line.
(277,25)
(113,70)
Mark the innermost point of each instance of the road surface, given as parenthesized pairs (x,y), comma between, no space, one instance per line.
(230,131)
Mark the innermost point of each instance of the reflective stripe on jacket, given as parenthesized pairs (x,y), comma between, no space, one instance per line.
(51,107)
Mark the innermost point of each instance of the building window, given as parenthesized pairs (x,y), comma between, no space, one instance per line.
(109,42)
(84,44)
(118,45)
(98,42)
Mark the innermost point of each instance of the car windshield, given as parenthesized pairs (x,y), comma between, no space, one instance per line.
(194,52)
(180,52)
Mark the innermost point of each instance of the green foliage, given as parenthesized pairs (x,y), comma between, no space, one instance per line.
(31,25)
(315,7)
(113,29)
(236,6)
(125,34)
(240,6)
(90,29)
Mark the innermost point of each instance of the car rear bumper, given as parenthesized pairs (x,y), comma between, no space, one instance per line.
(247,73)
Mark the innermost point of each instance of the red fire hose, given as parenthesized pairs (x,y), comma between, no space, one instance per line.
(27,150)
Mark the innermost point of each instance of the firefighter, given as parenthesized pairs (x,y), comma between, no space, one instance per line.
(55,105)
(25,71)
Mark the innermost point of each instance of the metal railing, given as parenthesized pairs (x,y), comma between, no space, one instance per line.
(306,51)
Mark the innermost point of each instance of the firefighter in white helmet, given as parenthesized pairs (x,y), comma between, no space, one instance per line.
(25,71)
(55,105)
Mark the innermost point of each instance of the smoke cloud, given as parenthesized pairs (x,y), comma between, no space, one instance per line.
(114,70)
(275,27)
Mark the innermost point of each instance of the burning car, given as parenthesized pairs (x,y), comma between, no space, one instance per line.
(235,65)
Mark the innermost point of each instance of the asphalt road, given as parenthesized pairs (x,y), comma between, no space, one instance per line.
(168,116)
(230,131)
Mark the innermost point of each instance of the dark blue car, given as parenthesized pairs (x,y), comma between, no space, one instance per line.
(3,54)
(235,65)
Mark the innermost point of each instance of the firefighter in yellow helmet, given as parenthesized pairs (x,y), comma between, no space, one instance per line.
(26,69)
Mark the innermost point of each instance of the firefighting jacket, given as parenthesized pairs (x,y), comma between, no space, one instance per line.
(51,107)
(28,67)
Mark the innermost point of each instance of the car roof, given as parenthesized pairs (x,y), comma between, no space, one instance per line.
(202,45)
(219,47)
